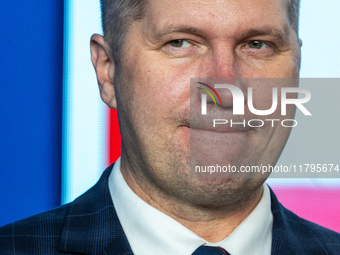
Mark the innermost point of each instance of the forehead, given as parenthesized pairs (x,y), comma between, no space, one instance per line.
(223,17)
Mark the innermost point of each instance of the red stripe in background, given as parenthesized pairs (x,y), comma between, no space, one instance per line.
(319,205)
(113,137)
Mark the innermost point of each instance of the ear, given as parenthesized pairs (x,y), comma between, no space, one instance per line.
(104,66)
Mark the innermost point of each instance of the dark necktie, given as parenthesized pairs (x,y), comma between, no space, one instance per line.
(209,250)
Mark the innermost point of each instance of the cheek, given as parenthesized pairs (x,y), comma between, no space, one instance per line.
(281,66)
(286,67)
(161,89)
(267,93)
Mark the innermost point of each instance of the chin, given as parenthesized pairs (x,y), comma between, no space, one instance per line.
(221,192)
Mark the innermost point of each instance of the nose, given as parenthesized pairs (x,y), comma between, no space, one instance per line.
(223,63)
(221,67)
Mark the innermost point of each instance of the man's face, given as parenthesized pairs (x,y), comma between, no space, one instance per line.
(178,40)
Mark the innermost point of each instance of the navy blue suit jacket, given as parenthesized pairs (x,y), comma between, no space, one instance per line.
(90,225)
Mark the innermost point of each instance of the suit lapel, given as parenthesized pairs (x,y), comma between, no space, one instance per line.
(119,246)
(91,225)
(281,243)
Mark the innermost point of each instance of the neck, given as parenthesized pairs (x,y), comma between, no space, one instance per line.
(211,224)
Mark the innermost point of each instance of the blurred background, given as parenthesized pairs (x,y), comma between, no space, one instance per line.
(57,137)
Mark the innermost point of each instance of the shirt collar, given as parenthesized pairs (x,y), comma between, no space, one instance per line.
(254,234)
(150,231)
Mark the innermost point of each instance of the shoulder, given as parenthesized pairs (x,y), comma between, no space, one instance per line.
(24,236)
(297,234)
(84,226)
(303,226)
(310,237)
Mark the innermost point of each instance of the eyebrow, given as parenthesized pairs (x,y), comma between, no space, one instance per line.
(280,35)
(177,29)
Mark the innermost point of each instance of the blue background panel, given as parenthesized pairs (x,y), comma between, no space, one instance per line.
(30,107)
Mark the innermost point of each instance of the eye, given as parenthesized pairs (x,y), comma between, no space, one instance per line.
(181,48)
(259,49)
(180,43)
(257,45)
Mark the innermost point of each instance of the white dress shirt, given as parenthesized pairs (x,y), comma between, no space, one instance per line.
(151,232)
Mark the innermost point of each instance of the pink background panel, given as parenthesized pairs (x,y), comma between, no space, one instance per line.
(319,205)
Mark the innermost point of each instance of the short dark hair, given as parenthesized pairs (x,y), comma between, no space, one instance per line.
(117,16)
(294,14)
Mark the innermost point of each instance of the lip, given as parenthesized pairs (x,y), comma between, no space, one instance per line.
(226,129)
(207,141)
